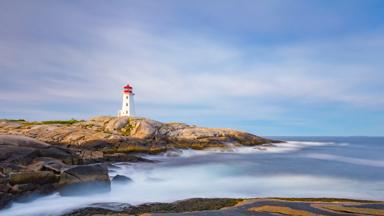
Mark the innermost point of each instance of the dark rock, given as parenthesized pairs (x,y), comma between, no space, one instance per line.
(62,154)
(4,187)
(114,206)
(82,179)
(5,199)
(20,188)
(10,167)
(35,177)
(23,150)
(189,205)
(22,141)
(47,164)
(121,179)
(123,157)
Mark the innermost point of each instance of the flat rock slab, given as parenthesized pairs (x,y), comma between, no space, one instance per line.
(249,207)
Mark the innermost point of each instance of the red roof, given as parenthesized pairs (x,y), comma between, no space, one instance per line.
(127,89)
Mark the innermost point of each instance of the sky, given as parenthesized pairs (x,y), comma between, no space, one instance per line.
(270,67)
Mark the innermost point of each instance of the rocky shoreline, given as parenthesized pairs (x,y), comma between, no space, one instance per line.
(239,207)
(38,158)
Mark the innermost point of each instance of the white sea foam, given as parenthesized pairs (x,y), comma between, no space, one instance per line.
(187,177)
(351,160)
(166,184)
(289,146)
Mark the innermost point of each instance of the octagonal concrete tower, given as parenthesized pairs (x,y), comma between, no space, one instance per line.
(128,108)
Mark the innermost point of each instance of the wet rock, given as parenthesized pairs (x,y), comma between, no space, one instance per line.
(5,199)
(4,188)
(20,188)
(34,177)
(174,153)
(121,179)
(82,179)
(47,164)
(113,206)
(122,157)
(62,154)
(189,205)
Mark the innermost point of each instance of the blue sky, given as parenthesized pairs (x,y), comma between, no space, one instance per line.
(271,67)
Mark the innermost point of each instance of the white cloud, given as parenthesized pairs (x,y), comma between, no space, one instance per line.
(186,68)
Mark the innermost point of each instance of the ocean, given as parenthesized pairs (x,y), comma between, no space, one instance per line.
(338,167)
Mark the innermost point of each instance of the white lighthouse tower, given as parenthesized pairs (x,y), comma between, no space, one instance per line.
(128,108)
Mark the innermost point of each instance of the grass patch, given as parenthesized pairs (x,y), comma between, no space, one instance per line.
(14,120)
(65,122)
(127,130)
(136,149)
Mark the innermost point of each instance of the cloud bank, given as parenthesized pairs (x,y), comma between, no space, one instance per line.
(72,62)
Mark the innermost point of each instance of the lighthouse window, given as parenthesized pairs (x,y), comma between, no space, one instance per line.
(126,104)
(126,97)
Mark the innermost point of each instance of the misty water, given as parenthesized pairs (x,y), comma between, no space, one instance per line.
(344,167)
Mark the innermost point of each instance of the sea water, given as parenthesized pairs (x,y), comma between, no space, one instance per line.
(342,167)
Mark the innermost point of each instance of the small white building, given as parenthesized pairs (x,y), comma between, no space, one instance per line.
(128,108)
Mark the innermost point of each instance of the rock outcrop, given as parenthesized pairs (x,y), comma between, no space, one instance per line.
(31,167)
(129,134)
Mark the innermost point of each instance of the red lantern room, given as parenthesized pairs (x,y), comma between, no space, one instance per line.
(128,89)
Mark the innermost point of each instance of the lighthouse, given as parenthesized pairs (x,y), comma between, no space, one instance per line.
(128,108)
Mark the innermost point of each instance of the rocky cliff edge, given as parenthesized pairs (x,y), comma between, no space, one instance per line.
(129,134)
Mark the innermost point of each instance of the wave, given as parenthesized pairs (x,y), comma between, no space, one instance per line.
(344,159)
(286,147)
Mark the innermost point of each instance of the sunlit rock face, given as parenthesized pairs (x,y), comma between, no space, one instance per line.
(138,133)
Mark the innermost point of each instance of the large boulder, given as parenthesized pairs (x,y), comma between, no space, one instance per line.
(22,141)
(5,199)
(23,150)
(121,179)
(82,179)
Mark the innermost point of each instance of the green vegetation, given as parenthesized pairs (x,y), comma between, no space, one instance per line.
(126,131)
(137,149)
(14,120)
(66,122)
